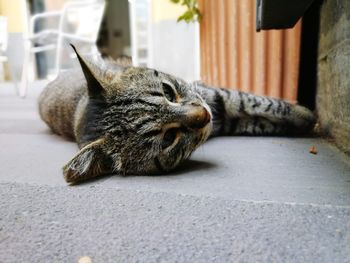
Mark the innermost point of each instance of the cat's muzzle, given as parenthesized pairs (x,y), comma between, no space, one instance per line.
(196,117)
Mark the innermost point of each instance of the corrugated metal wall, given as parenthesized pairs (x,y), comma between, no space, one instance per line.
(234,55)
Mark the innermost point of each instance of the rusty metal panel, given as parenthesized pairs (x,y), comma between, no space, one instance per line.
(234,55)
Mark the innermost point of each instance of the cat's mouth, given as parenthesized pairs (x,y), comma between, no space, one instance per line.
(204,125)
(206,132)
(207,129)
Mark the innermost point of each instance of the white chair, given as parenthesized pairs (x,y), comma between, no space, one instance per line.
(140,14)
(3,39)
(79,22)
(3,48)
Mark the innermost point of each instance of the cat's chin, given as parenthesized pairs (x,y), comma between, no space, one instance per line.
(207,129)
(206,132)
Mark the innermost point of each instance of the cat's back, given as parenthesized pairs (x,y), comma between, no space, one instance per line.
(59,99)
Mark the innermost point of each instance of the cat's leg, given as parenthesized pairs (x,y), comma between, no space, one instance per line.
(256,126)
(275,110)
(236,112)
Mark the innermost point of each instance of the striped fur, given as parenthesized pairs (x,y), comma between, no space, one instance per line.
(239,113)
(141,121)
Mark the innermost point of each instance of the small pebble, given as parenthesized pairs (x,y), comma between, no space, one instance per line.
(85,259)
(313,150)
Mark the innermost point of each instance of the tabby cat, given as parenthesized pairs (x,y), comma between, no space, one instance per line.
(131,120)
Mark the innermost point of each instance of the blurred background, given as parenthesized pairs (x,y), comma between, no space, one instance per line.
(38,33)
(223,50)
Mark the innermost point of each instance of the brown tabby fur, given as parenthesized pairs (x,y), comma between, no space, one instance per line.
(131,120)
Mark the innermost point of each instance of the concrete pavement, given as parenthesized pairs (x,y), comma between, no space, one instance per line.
(239,199)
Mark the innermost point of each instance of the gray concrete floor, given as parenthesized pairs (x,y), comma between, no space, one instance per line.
(239,199)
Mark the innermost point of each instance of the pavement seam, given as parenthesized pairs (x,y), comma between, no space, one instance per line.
(293,204)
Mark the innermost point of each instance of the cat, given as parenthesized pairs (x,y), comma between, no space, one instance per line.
(133,120)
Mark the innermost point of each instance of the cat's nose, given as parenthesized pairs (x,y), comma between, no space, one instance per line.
(196,117)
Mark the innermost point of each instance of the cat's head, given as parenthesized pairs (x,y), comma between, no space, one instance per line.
(137,121)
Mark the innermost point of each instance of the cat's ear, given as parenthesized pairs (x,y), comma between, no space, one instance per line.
(91,161)
(92,76)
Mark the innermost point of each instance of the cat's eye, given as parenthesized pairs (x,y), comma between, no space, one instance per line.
(169,137)
(169,92)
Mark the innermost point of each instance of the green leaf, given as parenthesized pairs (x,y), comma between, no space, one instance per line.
(192,14)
